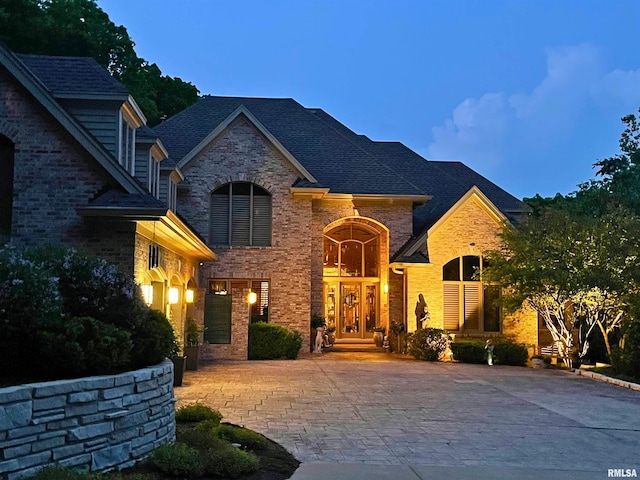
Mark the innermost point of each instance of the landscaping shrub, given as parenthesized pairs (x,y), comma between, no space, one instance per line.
(427,344)
(507,352)
(469,351)
(268,341)
(225,461)
(626,360)
(63,315)
(197,412)
(247,438)
(178,460)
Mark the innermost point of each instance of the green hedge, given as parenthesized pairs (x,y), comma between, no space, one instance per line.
(469,352)
(506,352)
(268,342)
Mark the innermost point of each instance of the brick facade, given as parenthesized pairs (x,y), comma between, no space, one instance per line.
(241,153)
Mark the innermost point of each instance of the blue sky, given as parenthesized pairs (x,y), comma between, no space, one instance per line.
(529,93)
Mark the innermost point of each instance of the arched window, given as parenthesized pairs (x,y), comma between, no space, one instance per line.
(7,153)
(351,251)
(469,304)
(240,214)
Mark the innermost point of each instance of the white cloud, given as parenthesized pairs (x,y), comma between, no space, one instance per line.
(527,128)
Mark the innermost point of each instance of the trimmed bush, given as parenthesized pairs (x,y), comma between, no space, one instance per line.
(507,352)
(225,461)
(197,412)
(427,344)
(469,352)
(268,342)
(178,460)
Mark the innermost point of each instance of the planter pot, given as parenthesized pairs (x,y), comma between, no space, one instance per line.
(331,337)
(193,355)
(537,363)
(378,338)
(179,365)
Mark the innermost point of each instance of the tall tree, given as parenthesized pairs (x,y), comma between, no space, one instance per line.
(82,28)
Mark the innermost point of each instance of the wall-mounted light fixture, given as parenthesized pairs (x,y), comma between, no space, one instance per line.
(386,288)
(147,293)
(253,298)
(174,295)
(189,295)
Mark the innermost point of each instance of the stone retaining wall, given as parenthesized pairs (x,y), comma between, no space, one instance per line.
(97,423)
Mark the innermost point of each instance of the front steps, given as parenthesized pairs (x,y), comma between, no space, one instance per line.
(354,345)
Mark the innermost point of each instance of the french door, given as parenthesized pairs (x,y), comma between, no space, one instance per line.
(352,308)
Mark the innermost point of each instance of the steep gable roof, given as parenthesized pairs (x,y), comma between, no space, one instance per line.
(74,75)
(333,160)
(37,89)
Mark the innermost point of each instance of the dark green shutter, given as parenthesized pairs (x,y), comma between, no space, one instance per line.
(217,318)
(219,220)
(261,220)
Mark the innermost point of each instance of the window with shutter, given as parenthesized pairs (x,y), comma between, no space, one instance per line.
(240,215)
(462,288)
(451,307)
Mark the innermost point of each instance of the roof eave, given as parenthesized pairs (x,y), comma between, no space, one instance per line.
(309,192)
(378,197)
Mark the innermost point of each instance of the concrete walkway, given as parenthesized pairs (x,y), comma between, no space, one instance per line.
(376,416)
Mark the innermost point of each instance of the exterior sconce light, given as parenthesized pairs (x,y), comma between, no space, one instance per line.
(147,293)
(253,298)
(386,288)
(174,295)
(189,295)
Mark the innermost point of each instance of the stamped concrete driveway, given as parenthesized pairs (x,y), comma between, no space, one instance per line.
(377,409)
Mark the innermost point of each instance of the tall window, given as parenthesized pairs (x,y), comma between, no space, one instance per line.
(469,304)
(350,251)
(240,215)
(7,152)
(153,182)
(127,145)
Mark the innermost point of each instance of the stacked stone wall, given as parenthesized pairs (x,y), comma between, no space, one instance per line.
(95,423)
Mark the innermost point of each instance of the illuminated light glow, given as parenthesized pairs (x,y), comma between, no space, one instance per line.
(386,288)
(189,295)
(253,297)
(174,295)
(147,293)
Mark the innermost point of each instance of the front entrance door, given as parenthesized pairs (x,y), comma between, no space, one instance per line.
(351,307)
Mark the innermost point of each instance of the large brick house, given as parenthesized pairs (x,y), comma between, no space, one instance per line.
(265,209)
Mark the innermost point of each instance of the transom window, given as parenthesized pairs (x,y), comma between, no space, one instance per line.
(240,215)
(350,250)
(469,305)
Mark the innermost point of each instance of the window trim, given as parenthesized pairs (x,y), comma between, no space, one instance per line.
(126,143)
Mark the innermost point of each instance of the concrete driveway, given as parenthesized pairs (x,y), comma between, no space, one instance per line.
(405,416)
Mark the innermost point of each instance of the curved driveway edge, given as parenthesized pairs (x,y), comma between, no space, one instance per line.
(378,409)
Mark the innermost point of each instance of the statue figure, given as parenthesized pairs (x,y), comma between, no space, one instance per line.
(422,313)
(319,340)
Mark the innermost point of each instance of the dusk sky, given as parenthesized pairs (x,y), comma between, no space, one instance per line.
(529,93)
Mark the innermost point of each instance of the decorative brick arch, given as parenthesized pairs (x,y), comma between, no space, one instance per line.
(256,180)
(10,131)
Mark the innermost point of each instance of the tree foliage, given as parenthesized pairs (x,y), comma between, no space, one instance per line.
(575,260)
(82,28)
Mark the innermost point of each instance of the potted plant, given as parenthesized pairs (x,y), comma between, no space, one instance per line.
(537,361)
(192,343)
(179,362)
(331,335)
(378,335)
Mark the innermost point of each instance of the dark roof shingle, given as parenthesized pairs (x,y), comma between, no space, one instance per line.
(73,75)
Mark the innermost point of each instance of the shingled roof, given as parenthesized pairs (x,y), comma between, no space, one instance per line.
(445,182)
(333,160)
(79,76)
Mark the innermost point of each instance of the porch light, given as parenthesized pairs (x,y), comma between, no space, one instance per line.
(189,295)
(147,293)
(174,295)
(253,297)
(386,288)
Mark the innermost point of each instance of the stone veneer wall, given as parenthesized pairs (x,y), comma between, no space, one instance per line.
(98,423)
